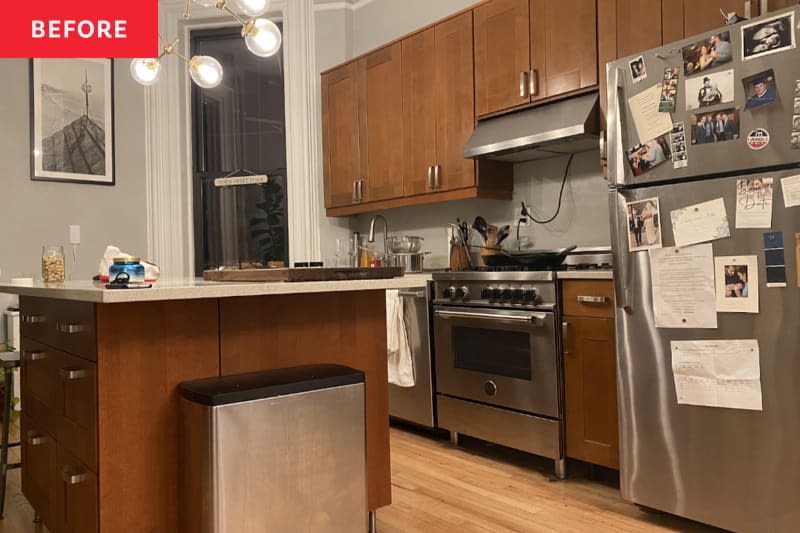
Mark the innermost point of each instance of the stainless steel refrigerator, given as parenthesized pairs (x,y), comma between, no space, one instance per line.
(733,468)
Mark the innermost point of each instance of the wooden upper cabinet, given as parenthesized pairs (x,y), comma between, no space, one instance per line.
(502,55)
(419,111)
(455,102)
(381,123)
(340,135)
(563,46)
(684,18)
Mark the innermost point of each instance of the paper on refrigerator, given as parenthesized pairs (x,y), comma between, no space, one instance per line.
(698,223)
(683,287)
(650,123)
(717,373)
(791,191)
(754,203)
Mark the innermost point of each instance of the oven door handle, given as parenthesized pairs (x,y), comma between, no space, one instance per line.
(531,318)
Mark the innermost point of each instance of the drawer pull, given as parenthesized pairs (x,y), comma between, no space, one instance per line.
(592,299)
(70,478)
(33,319)
(70,328)
(34,356)
(36,440)
(67,374)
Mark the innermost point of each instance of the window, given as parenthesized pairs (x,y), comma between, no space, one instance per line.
(239,128)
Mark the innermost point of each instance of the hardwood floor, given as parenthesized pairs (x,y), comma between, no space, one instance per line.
(477,487)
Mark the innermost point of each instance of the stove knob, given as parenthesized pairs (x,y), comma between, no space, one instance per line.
(496,294)
(507,294)
(516,294)
(462,292)
(486,294)
(531,295)
(449,292)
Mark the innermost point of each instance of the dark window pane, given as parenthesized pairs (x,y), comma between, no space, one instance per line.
(504,353)
(239,128)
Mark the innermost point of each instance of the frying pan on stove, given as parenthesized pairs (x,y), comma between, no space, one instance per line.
(529,258)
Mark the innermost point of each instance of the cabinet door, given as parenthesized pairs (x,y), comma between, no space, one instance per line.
(700,17)
(39,469)
(381,117)
(590,386)
(502,55)
(340,135)
(455,102)
(77,426)
(563,46)
(77,498)
(419,111)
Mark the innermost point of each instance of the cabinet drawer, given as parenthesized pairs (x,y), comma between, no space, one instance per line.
(77,421)
(590,298)
(63,324)
(39,380)
(39,468)
(77,495)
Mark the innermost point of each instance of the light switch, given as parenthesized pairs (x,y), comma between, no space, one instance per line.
(74,234)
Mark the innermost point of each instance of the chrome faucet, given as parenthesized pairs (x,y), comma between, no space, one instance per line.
(385,233)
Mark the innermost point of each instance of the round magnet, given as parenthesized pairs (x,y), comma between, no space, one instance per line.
(758,139)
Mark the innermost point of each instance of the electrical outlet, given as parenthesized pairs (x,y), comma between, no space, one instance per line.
(523,221)
(74,234)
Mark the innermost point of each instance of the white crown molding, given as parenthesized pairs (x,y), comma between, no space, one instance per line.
(348,5)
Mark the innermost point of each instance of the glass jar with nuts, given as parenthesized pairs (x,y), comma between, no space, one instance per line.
(52,263)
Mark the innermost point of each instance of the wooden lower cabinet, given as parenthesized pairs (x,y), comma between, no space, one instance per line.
(40,474)
(76,496)
(590,388)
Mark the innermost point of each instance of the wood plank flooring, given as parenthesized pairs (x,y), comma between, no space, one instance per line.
(477,487)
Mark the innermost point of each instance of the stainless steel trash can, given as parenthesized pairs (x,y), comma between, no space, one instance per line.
(278,451)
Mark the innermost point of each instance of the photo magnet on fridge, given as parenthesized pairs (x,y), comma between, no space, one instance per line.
(769,36)
(669,90)
(715,126)
(646,156)
(760,89)
(707,54)
(712,89)
(638,69)
(644,225)
(737,284)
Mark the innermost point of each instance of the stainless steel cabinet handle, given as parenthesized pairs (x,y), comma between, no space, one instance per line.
(33,319)
(592,299)
(36,440)
(70,478)
(67,374)
(523,84)
(411,294)
(489,316)
(355,190)
(534,82)
(564,332)
(70,328)
(430,177)
(34,356)
(360,190)
(437,172)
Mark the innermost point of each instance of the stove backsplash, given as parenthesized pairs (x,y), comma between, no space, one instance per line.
(583,219)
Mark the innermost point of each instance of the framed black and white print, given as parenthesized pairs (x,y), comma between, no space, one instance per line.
(72,120)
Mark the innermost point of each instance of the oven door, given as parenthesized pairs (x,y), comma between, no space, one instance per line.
(500,357)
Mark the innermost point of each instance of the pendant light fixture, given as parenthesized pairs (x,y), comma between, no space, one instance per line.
(261,36)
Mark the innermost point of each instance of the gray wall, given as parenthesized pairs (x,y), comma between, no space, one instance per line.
(583,219)
(36,213)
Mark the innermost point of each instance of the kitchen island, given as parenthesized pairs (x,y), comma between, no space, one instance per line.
(100,370)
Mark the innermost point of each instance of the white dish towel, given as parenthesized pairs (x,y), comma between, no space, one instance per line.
(401,364)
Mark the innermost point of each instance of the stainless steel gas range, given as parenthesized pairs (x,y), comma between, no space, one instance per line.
(498,366)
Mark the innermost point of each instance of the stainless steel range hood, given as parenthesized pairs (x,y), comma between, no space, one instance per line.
(564,127)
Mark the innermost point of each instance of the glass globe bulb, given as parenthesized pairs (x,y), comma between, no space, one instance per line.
(252,8)
(205,71)
(145,70)
(206,3)
(262,37)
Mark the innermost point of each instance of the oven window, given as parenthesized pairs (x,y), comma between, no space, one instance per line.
(492,351)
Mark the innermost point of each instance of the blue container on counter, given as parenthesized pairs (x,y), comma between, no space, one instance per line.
(132,266)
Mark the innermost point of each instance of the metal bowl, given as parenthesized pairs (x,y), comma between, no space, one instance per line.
(404,244)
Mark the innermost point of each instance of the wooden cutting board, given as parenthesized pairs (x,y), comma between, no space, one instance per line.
(303,274)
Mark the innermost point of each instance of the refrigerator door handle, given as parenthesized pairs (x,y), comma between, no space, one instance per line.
(622,258)
(616,166)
